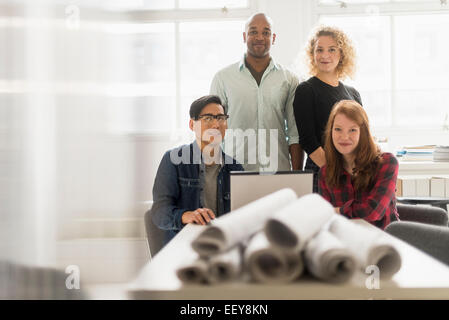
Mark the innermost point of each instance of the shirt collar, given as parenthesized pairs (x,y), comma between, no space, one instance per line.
(197,152)
(272,65)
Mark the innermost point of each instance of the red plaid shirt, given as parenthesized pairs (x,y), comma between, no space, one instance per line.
(377,206)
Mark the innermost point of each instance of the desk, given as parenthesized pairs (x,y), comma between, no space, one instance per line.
(420,277)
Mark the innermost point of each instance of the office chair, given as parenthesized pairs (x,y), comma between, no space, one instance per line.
(155,236)
(424,214)
(432,239)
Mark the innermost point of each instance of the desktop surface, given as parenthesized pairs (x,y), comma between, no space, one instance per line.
(420,277)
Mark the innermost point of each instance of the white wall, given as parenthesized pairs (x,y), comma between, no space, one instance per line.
(292,22)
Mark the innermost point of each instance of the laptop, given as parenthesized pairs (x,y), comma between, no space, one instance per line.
(249,186)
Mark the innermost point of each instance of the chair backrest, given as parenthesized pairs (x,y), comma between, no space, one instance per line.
(423,214)
(434,240)
(155,236)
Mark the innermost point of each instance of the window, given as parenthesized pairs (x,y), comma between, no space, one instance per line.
(204,4)
(205,48)
(421,68)
(146,77)
(174,62)
(372,41)
(401,57)
(346,2)
(343,3)
(124,5)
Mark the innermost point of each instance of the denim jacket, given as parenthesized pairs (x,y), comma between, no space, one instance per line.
(179,184)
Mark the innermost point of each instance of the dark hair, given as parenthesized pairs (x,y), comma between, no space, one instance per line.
(200,103)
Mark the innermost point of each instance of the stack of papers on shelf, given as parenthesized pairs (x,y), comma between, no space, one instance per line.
(441,153)
(417,153)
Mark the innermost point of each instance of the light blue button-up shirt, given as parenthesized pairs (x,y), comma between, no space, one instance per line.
(261,123)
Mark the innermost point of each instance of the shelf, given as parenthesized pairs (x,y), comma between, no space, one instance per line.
(423,168)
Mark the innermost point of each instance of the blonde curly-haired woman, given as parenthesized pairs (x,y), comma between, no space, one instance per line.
(330,58)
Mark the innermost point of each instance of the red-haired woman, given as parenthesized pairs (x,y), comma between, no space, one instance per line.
(358,179)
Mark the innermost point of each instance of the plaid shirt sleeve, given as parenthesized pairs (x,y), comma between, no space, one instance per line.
(375,203)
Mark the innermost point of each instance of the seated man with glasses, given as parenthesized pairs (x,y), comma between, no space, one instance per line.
(192,182)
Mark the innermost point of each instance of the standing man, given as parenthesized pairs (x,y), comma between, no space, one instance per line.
(258,94)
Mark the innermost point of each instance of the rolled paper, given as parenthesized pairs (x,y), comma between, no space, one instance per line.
(370,246)
(196,271)
(293,225)
(235,227)
(226,266)
(268,264)
(328,259)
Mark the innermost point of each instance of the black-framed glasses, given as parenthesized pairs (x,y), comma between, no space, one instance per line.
(208,118)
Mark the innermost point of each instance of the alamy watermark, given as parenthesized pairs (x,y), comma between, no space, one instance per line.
(73,280)
(373,281)
(72,20)
(246,147)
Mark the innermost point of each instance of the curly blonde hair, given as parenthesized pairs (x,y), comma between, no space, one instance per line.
(347,65)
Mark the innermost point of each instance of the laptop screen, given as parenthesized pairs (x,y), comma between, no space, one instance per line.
(249,186)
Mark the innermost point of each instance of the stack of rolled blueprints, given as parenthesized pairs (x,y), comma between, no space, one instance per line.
(222,267)
(302,226)
(275,238)
(218,256)
(239,225)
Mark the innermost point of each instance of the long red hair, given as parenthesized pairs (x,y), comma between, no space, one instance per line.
(367,153)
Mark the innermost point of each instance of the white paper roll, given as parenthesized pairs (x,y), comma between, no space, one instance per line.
(226,266)
(238,225)
(196,271)
(293,225)
(369,246)
(328,259)
(269,264)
